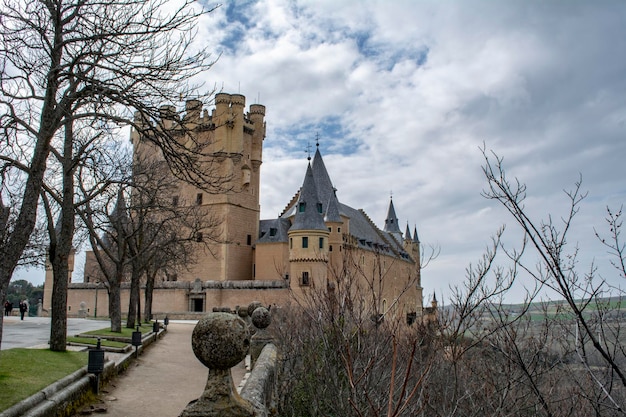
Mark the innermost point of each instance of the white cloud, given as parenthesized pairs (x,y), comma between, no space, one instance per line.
(414,89)
(403,94)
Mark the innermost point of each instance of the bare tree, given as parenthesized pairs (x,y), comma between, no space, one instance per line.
(347,353)
(554,358)
(583,321)
(66,61)
(162,235)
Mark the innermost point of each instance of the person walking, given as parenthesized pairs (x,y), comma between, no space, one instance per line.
(7,308)
(23,309)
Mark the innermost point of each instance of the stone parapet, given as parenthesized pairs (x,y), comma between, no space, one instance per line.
(260,388)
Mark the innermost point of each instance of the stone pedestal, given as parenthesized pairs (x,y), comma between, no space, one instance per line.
(220,341)
(261,319)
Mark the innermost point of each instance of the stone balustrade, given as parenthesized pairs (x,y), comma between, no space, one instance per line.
(220,341)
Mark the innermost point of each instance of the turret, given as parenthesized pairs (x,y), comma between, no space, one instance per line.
(308,237)
(333,220)
(193,108)
(169,116)
(391,223)
(256,116)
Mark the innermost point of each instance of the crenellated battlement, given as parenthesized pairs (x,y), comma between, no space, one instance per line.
(257,109)
(228,109)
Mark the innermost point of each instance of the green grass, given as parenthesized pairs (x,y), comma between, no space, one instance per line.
(126,332)
(94,341)
(24,372)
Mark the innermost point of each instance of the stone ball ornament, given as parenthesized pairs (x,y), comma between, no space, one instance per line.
(261,318)
(253,306)
(242,312)
(220,340)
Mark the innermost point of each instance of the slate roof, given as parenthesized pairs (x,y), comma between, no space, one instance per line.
(367,235)
(332,211)
(274,230)
(391,222)
(308,215)
(324,185)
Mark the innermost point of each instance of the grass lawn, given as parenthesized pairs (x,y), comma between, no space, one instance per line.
(23,372)
(94,341)
(126,332)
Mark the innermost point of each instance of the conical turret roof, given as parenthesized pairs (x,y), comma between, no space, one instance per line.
(325,189)
(407,234)
(391,222)
(308,214)
(332,211)
(415,238)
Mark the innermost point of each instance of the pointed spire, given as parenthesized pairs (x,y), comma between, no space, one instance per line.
(391,222)
(119,215)
(325,189)
(308,208)
(407,233)
(332,211)
(415,238)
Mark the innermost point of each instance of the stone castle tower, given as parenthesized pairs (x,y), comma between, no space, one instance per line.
(234,140)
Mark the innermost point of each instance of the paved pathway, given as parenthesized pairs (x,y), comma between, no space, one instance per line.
(35,331)
(164,378)
(161,382)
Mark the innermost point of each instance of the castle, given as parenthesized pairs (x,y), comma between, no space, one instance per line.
(316,242)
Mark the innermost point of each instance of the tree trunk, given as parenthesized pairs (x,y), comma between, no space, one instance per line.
(115,305)
(133,304)
(3,296)
(148,297)
(58,325)
(62,248)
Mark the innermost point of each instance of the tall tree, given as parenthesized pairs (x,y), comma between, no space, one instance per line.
(66,61)
(162,235)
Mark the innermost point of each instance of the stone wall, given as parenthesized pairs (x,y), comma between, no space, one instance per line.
(172,298)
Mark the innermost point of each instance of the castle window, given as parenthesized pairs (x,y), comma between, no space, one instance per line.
(290,243)
(321,243)
(339,230)
(330,248)
(330,229)
(199,237)
(305,242)
(175,201)
(305,278)
(301,207)
(319,208)
(249,240)
(272,231)
(198,199)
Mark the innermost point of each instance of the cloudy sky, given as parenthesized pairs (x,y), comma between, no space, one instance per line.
(403,95)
